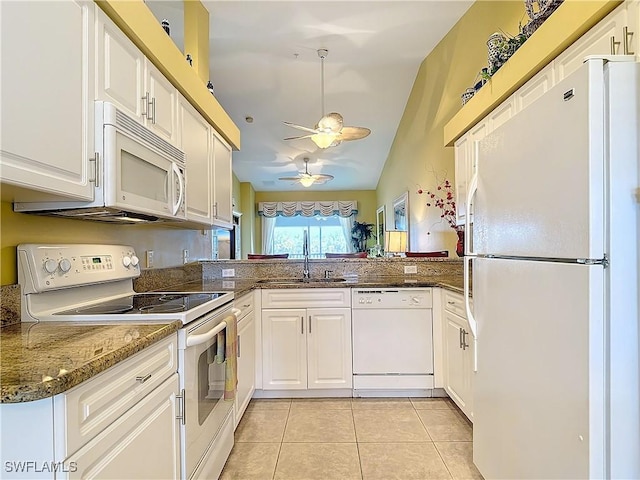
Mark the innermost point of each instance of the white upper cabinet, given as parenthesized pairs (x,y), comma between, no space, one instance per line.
(195,141)
(603,39)
(222,183)
(128,79)
(47,114)
(120,66)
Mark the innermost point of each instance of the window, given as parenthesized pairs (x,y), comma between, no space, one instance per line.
(326,234)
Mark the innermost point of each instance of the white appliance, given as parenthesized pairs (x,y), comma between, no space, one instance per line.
(554,254)
(94,283)
(392,340)
(139,177)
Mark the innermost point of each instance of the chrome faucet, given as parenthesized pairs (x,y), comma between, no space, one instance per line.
(305,252)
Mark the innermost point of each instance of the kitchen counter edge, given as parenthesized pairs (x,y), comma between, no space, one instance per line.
(31,390)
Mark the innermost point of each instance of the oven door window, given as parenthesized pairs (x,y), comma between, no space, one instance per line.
(211,376)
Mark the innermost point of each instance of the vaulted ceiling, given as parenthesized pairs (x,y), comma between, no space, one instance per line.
(265,68)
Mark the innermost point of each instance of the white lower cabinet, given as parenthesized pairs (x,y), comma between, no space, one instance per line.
(143,443)
(458,353)
(120,424)
(246,355)
(306,348)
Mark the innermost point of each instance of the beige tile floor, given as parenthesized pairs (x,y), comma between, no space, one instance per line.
(344,439)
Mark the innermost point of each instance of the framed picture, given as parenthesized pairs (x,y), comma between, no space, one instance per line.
(380,222)
(401,212)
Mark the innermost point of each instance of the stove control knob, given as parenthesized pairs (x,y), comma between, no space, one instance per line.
(126,261)
(134,261)
(50,265)
(65,265)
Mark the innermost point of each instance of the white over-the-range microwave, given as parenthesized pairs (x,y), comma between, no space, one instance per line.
(139,177)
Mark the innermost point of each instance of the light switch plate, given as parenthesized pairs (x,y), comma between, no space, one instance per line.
(228,272)
(410,269)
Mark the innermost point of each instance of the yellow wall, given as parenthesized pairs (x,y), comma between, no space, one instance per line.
(248,219)
(417,158)
(366,205)
(166,242)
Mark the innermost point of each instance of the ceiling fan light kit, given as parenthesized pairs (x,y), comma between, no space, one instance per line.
(306,179)
(329,131)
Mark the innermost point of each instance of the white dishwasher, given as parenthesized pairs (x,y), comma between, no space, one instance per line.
(392,339)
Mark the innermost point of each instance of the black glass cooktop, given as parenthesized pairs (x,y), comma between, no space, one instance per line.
(145,303)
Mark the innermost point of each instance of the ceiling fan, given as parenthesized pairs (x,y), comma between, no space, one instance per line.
(330,130)
(306,179)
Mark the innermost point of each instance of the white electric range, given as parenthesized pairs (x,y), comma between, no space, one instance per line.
(94,284)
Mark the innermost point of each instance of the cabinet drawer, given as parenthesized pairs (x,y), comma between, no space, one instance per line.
(454,303)
(245,304)
(306,298)
(93,405)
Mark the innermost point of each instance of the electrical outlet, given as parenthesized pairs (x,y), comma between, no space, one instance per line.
(228,272)
(149,258)
(185,256)
(410,269)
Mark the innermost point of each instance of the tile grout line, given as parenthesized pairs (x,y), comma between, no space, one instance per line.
(434,443)
(275,468)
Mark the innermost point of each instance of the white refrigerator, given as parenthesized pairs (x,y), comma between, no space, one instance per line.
(554,262)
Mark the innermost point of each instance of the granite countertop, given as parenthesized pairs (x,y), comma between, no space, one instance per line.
(39,360)
(241,286)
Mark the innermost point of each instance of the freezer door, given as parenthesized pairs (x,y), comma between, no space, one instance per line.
(541,175)
(539,389)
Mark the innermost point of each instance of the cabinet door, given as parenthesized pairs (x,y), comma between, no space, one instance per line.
(498,116)
(455,383)
(596,41)
(534,88)
(120,69)
(284,349)
(329,348)
(47,99)
(161,113)
(143,443)
(195,142)
(222,183)
(246,364)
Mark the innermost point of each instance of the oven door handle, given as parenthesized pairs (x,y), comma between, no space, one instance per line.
(194,340)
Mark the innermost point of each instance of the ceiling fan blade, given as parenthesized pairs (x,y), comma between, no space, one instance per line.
(322,178)
(353,133)
(292,179)
(303,136)
(300,127)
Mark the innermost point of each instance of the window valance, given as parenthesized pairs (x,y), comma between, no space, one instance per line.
(308,209)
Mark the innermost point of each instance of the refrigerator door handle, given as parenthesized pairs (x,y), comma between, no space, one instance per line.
(473,325)
(472,189)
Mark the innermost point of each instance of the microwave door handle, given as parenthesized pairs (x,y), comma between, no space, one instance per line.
(176,172)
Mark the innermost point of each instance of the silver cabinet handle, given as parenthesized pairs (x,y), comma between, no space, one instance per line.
(145,104)
(96,172)
(182,399)
(143,379)
(465,345)
(449,302)
(626,37)
(238,354)
(614,45)
(459,337)
(153,110)
(302,324)
(309,323)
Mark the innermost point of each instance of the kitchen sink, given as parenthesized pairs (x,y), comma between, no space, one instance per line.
(298,281)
